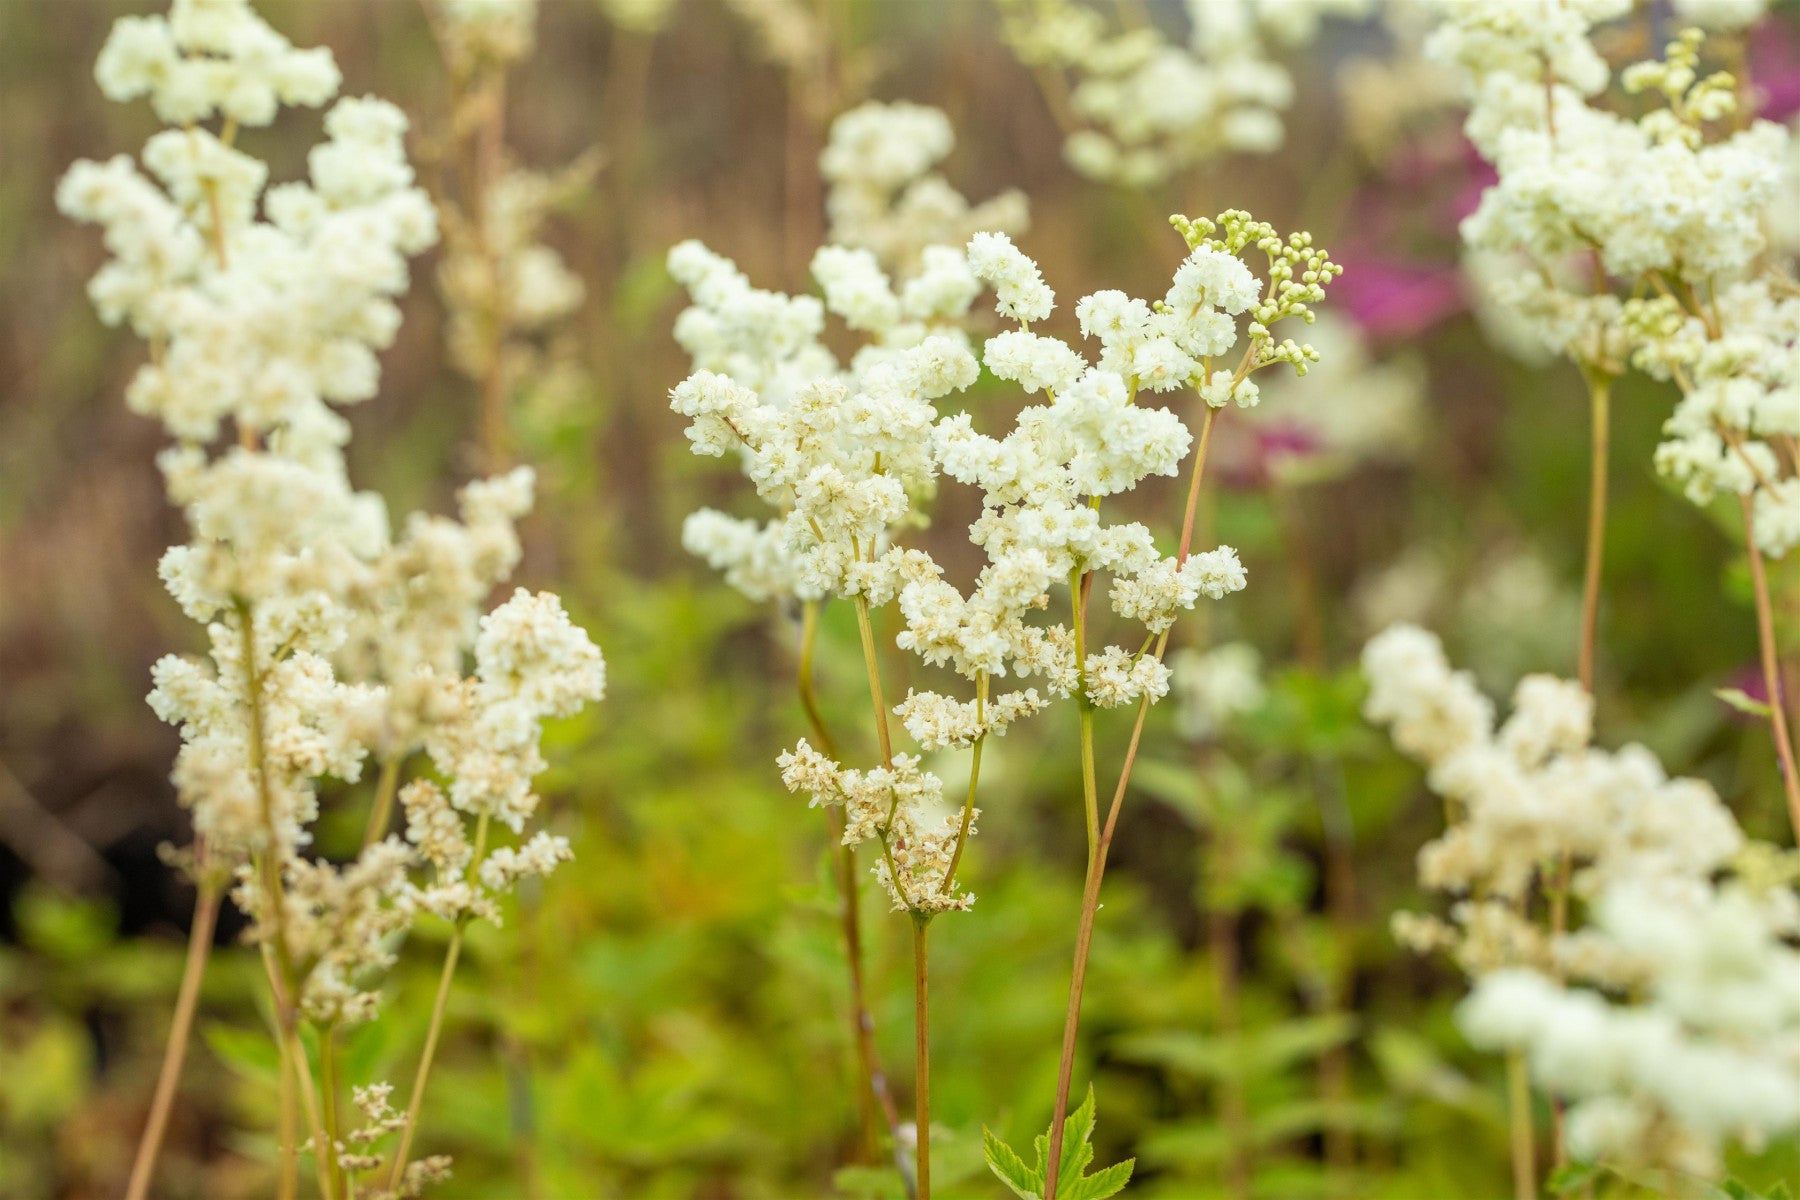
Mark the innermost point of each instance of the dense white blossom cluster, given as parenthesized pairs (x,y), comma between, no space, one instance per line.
(500,283)
(883,192)
(1671,1019)
(1214,687)
(1642,241)
(487,32)
(1142,106)
(333,642)
(505,290)
(844,455)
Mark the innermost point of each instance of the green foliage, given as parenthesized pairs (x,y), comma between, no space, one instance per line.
(1733,1189)
(1073,1181)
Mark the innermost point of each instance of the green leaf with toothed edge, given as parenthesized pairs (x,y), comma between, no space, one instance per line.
(1072,1183)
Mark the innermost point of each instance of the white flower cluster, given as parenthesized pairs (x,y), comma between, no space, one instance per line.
(1708,1047)
(767,389)
(1706,1050)
(843,455)
(332,642)
(212,57)
(500,283)
(1676,204)
(883,194)
(901,807)
(484,33)
(1144,107)
(505,290)
(1214,687)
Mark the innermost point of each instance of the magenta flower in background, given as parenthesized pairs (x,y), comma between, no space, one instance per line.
(1398,299)
(1775,70)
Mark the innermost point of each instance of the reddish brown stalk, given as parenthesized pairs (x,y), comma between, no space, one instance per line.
(873,1092)
(1090,896)
(1771,667)
(200,938)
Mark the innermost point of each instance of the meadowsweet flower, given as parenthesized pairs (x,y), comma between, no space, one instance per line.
(333,639)
(1019,289)
(883,196)
(1697,1050)
(1151,106)
(1215,686)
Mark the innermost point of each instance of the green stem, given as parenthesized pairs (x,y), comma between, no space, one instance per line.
(381,812)
(435,1028)
(328,1088)
(1090,792)
(425,1057)
(872,1092)
(1524,1144)
(922,1056)
(968,812)
(1599,403)
(1090,897)
(867,629)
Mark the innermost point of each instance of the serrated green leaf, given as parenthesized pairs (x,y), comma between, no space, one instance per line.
(1009,1168)
(1077,1152)
(1109,1181)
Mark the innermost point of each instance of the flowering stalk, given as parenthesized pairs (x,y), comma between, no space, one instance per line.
(438,1006)
(873,1090)
(1771,667)
(1524,1149)
(334,642)
(328,1090)
(381,810)
(187,1003)
(1101,842)
(921,922)
(1599,384)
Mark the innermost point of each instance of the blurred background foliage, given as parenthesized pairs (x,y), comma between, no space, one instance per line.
(667,1017)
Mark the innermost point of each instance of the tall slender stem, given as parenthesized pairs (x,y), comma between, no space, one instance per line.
(1524,1142)
(425,1056)
(296,1085)
(872,1090)
(1090,792)
(968,816)
(187,1002)
(436,1027)
(1193,495)
(809,700)
(287,1127)
(328,1089)
(1090,896)
(922,1056)
(381,811)
(1771,667)
(867,629)
(1599,400)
